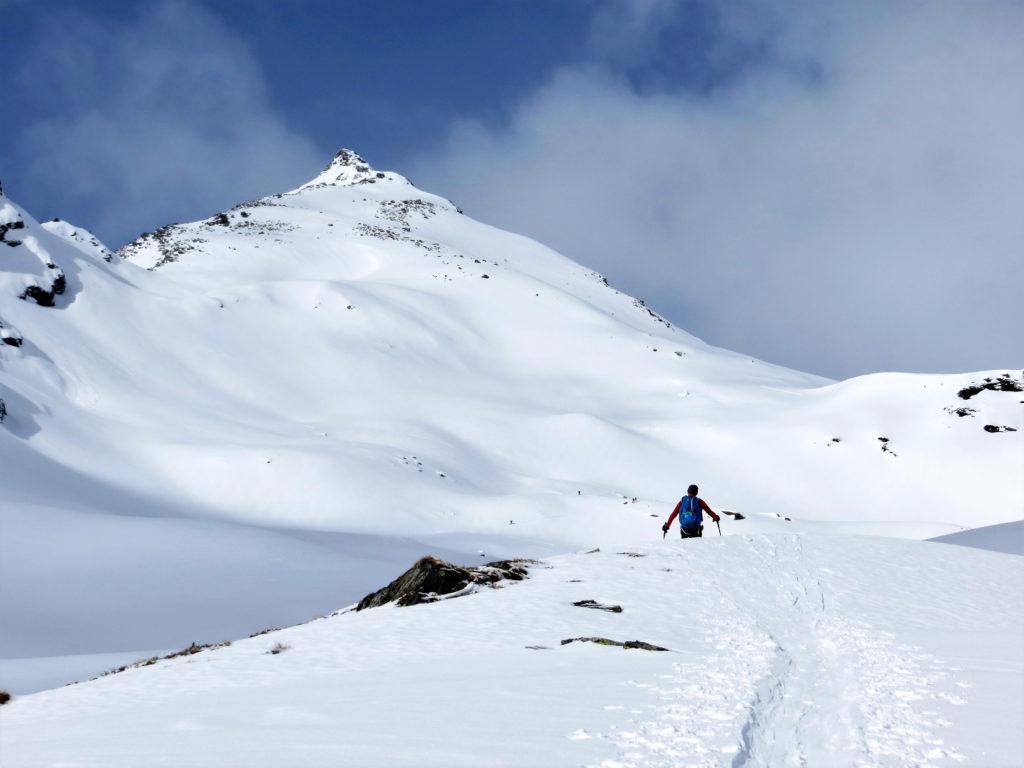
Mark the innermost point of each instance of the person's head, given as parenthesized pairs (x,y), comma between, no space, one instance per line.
(691,491)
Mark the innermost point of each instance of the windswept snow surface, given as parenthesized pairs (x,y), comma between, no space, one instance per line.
(784,650)
(255,418)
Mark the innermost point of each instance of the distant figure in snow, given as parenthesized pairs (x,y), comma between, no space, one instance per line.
(691,521)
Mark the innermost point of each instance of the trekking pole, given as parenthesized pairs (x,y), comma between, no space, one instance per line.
(719,527)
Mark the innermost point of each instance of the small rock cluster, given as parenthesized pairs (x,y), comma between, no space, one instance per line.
(170,241)
(191,650)
(431,579)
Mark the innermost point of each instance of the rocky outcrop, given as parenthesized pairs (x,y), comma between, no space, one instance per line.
(1004,383)
(31,272)
(10,336)
(628,644)
(598,606)
(347,168)
(431,579)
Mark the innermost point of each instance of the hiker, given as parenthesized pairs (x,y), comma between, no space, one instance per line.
(690,518)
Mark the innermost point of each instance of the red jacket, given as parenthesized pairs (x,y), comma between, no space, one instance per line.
(703,505)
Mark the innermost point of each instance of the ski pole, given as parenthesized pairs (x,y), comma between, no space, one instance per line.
(719,527)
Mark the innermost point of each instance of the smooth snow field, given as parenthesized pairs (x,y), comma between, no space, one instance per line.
(253,420)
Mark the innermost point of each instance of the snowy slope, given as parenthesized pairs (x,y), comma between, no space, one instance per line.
(254,418)
(1004,537)
(783,650)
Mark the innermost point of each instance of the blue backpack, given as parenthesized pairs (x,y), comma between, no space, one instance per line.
(690,515)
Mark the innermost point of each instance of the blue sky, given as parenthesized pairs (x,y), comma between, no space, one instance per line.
(834,187)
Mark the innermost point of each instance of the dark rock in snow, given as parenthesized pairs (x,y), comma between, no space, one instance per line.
(598,606)
(4,697)
(3,411)
(628,644)
(5,228)
(995,428)
(1004,383)
(42,296)
(431,579)
(961,412)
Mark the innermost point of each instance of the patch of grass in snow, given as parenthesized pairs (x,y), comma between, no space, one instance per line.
(194,648)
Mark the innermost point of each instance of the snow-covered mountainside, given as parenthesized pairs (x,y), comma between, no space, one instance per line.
(779,650)
(257,417)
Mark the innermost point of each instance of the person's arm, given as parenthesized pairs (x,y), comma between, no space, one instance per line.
(706,508)
(672,517)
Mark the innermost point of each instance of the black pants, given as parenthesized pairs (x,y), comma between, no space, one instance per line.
(694,532)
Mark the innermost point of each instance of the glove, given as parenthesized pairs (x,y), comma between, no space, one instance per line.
(715,517)
(664,528)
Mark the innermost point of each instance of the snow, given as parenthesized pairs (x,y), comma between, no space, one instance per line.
(81,238)
(784,649)
(253,419)
(1005,537)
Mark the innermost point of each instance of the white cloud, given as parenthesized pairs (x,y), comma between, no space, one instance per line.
(865,218)
(164,117)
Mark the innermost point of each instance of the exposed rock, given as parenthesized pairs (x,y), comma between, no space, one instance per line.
(171,243)
(266,631)
(630,554)
(347,168)
(45,297)
(628,644)
(8,227)
(996,428)
(431,579)
(10,336)
(961,412)
(1004,383)
(4,697)
(598,606)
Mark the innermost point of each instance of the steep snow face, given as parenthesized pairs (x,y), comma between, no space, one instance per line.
(79,237)
(783,649)
(356,361)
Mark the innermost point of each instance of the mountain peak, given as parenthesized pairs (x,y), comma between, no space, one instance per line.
(348,168)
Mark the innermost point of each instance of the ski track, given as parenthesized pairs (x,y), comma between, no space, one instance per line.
(773,678)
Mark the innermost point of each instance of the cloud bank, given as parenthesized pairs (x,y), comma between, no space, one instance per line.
(844,196)
(159,118)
